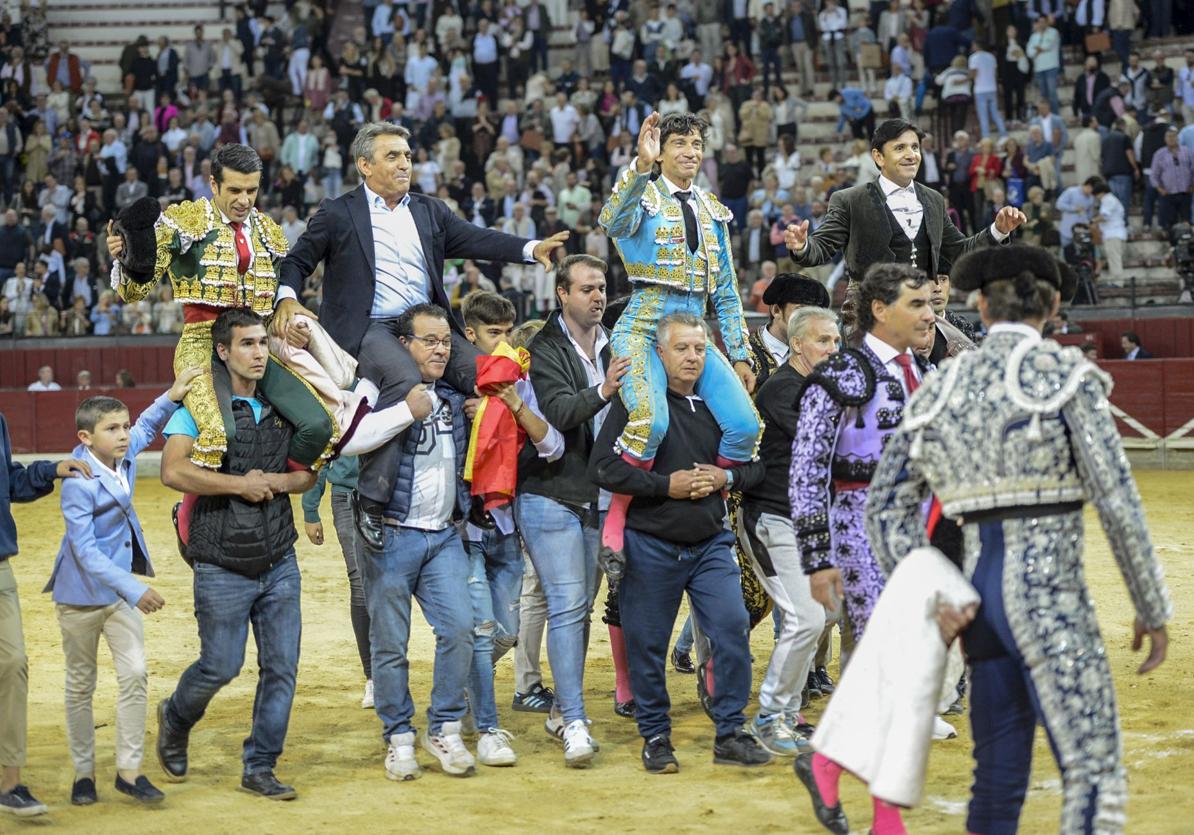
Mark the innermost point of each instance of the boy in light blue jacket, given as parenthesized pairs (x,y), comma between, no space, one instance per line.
(96,590)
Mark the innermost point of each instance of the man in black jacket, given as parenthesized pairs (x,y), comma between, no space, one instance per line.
(383,249)
(676,542)
(558,508)
(241,544)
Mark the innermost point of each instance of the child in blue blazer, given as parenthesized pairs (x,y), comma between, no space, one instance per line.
(96,590)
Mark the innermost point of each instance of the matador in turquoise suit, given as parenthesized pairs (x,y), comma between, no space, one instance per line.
(674,240)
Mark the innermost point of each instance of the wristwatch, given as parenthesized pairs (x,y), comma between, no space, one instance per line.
(729,479)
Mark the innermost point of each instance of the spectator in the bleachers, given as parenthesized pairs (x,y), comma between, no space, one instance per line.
(1132,348)
(984,70)
(76,319)
(50,232)
(198,59)
(1088,86)
(1054,131)
(82,285)
(735,176)
(105,316)
(861,35)
(144,78)
(168,63)
(42,320)
(38,145)
(8,319)
(45,380)
(832,22)
(18,68)
(1160,85)
(1139,80)
(985,170)
(124,379)
(897,92)
(1172,175)
(67,68)
(12,142)
(957,175)
(83,380)
(15,245)
(18,290)
(755,247)
(956,86)
(147,151)
(854,108)
(1077,205)
(230,62)
(1044,50)
(300,150)
(698,75)
(273,47)
(131,190)
(1119,166)
(942,44)
(802,33)
(1147,143)
(1088,150)
(754,132)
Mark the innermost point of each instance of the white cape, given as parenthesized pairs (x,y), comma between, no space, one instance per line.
(879,722)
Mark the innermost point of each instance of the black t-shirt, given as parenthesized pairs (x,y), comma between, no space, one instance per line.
(1115,154)
(776,402)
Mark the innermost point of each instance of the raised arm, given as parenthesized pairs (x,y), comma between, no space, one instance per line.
(827,241)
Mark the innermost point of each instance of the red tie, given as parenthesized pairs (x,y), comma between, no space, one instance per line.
(910,381)
(913,384)
(242,248)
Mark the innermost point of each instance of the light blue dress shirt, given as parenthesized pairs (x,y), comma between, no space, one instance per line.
(402,277)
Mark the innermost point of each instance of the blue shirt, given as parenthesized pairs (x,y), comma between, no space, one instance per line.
(855,105)
(181,422)
(402,277)
(796,28)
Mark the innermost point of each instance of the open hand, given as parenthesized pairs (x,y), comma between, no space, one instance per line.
(648,143)
(542,252)
(72,468)
(1158,646)
(613,376)
(796,236)
(183,382)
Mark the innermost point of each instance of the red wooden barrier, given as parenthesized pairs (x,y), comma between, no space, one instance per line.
(45,421)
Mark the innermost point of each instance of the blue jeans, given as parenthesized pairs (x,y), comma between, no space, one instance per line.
(494,586)
(432,567)
(988,111)
(684,642)
(1121,187)
(658,573)
(562,543)
(226,603)
(1046,82)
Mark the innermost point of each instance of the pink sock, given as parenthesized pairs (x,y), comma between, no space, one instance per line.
(615,519)
(726,464)
(709,677)
(617,646)
(888,820)
(827,774)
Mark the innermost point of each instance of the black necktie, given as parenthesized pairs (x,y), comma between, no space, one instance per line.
(690,223)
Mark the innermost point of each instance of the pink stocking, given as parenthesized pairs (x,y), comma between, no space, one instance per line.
(827,775)
(615,519)
(617,646)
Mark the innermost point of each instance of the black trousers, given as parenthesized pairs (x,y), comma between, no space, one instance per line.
(386,362)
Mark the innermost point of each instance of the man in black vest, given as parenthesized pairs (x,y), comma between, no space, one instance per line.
(892,219)
(241,545)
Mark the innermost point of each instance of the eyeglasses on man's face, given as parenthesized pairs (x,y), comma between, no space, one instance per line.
(433,342)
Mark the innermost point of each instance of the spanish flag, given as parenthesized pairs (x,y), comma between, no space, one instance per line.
(492,462)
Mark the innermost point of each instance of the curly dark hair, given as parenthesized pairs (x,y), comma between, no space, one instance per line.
(681,124)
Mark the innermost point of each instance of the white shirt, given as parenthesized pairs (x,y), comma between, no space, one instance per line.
(700,74)
(595,372)
(117,473)
(672,188)
(1015,327)
(904,204)
(227,221)
(433,487)
(887,355)
(897,87)
(832,23)
(38,385)
(564,122)
(550,449)
(1112,213)
(779,350)
(985,66)
(81,286)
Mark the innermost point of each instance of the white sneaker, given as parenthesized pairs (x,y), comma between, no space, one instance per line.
(554,725)
(367,699)
(493,748)
(448,748)
(401,764)
(578,745)
(942,729)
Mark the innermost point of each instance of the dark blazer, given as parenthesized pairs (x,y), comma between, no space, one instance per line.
(1083,106)
(341,235)
(856,221)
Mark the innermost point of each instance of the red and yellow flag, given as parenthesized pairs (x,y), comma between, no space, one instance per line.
(492,462)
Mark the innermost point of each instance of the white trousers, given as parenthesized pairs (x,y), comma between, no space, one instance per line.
(122,628)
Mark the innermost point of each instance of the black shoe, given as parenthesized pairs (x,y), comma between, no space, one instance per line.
(703,694)
(682,662)
(830,817)
(625,709)
(21,803)
(805,729)
(82,793)
(265,784)
(658,755)
(171,747)
(824,681)
(740,748)
(814,686)
(370,524)
(141,791)
(538,699)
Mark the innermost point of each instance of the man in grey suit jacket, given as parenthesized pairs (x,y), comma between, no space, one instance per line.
(891,219)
